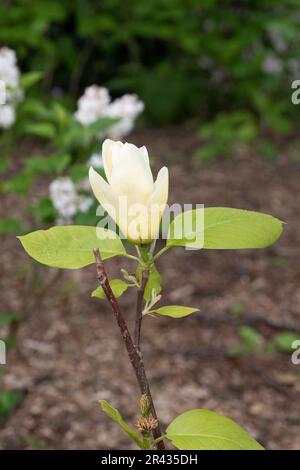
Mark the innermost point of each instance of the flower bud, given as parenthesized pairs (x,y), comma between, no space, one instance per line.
(144,406)
(131,197)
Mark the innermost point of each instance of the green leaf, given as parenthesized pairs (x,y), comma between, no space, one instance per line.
(39,164)
(78,172)
(48,164)
(100,125)
(224,228)
(7,318)
(44,210)
(20,183)
(60,162)
(118,286)
(10,342)
(283,341)
(30,78)
(71,247)
(154,282)
(41,129)
(8,400)
(114,414)
(207,430)
(176,311)
(249,336)
(10,225)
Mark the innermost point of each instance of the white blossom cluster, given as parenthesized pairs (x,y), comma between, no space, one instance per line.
(92,105)
(96,103)
(67,200)
(10,75)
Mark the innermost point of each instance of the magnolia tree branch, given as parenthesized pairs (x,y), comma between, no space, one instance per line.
(139,309)
(133,352)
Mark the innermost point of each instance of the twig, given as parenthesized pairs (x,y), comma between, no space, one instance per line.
(139,312)
(133,353)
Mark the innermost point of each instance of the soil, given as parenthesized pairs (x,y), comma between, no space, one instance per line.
(69,351)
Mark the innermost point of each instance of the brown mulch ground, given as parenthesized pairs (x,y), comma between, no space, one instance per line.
(70,353)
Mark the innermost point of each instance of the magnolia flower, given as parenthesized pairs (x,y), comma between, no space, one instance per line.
(130,197)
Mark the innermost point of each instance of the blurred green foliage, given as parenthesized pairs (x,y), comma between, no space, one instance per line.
(8,400)
(184,58)
(283,342)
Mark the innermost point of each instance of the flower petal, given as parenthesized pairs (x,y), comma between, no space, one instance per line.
(157,202)
(104,193)
(131,174)
(108,148)
(160,188)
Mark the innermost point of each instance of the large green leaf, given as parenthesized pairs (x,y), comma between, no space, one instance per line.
(71,247)
(207,430)
(176,311)
(118,286)
(115,415)
(224,228)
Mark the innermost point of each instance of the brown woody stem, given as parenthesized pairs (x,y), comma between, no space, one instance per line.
(133,353)
(139,309)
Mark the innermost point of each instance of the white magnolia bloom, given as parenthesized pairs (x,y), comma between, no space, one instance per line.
(96,160)
(92,105)
(7,116)
(127,108)
(131,197)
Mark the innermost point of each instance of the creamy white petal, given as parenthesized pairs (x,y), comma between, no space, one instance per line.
(104,193)
(130,177)
(144,153)
(157,202)
(141,155)
(160,188)
(108,147)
